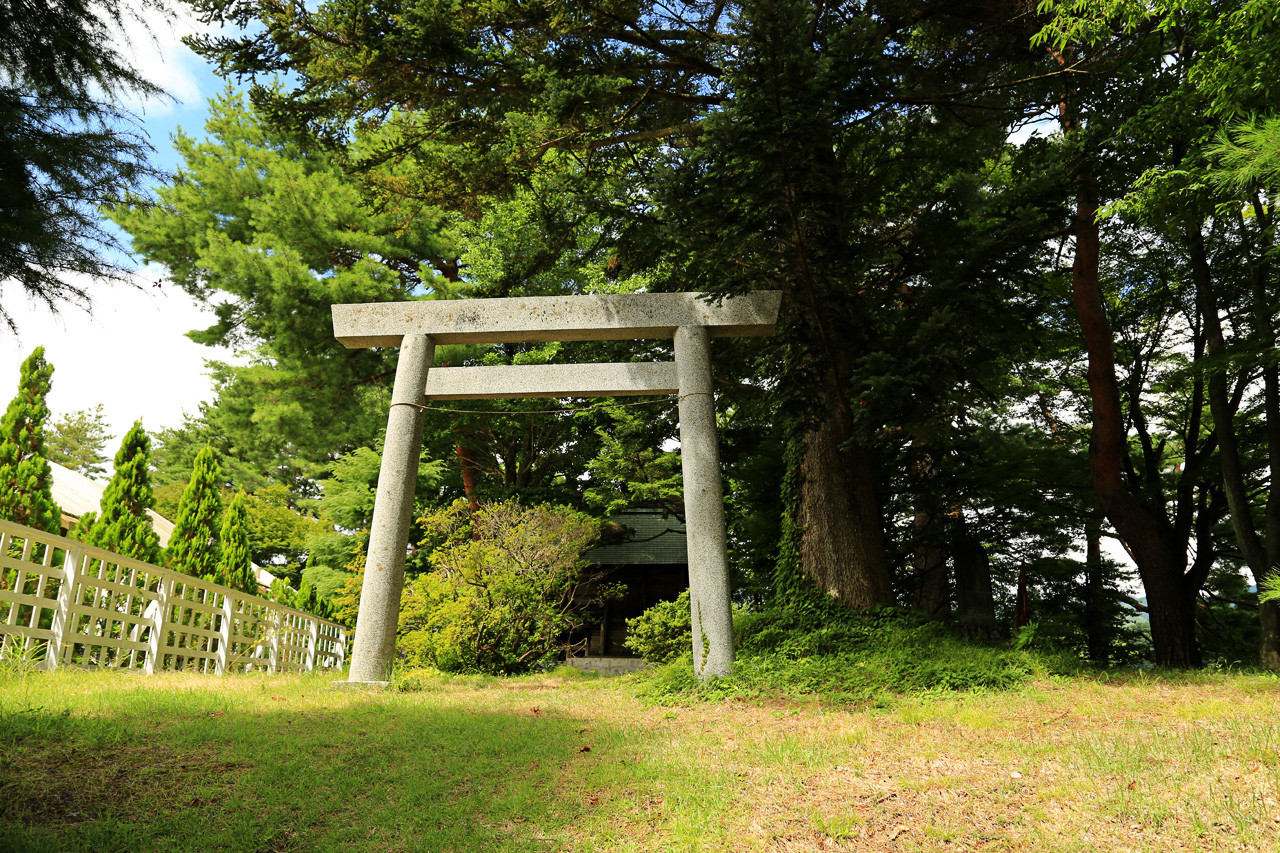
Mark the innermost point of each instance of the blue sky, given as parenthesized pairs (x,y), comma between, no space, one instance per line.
(130,353)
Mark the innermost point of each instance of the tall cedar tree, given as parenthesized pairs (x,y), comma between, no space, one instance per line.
(123,525)
(193,547)
(235,569)
(67,145)
(26,481)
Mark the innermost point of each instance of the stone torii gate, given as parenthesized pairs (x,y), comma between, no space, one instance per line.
(416,328)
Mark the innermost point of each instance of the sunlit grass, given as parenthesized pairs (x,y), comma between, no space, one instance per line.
(107,761)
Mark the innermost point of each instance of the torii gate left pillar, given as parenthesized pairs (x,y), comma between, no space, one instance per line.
(416,327)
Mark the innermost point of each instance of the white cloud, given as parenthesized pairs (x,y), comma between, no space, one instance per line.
(155,45)
(130,355)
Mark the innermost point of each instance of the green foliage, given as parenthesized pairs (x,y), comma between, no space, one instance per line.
(507,585)
(1227,617)
(78,441)
(193,545)
(278,531)
(1090,22)
(1060,609)
(346,600)
(1269,587)
(80,530)
(341,535)
(123,525)
(67,145)
(241,457)
(662,633)
(846,656)
(26,481)
(474,110)
(1248,156)
(328,583)
(630,468)
(235,568)
(274,232)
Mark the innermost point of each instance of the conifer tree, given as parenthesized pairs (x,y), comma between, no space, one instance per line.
(193,547)
(307,599)
(281,593)
(77,441)
(235,569)
(26,481)
(80,530)
(123,525)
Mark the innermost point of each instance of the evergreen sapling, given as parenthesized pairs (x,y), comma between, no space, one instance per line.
(193,547)
(235,569)
(123,525)
(26,480)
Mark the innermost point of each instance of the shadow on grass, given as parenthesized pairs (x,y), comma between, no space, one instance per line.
(386,775)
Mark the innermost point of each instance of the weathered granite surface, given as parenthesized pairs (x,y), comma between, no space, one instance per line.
(552,380)
(703,507)
(375,641)
(553,318)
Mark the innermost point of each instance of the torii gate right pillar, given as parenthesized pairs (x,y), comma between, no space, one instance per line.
(703,507)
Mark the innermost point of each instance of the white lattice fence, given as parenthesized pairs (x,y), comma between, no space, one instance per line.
(65,603)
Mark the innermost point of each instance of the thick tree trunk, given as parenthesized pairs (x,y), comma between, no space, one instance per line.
(975,601)
(1146,531)
(1095,624)
(842,544)
(1022,601)
(930,590)
(467,462)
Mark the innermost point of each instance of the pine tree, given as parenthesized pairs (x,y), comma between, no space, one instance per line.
(193,547)
(123,525)
(235,569)
(26,480)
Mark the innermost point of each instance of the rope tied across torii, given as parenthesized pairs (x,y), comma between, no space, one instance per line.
(690,319)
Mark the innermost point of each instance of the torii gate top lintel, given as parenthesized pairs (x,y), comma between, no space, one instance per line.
(601,317)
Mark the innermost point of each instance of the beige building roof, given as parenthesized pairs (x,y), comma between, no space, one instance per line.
(75,494)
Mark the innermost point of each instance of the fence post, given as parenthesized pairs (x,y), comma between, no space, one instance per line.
(159,619)
(314,624)
(62,615)
(342,648)
(224,634)
(273,661)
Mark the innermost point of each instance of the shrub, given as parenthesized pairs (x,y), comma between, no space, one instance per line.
(507,584)
(663,632)
(841,655)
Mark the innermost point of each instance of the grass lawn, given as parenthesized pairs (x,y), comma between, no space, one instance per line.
(100,761)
